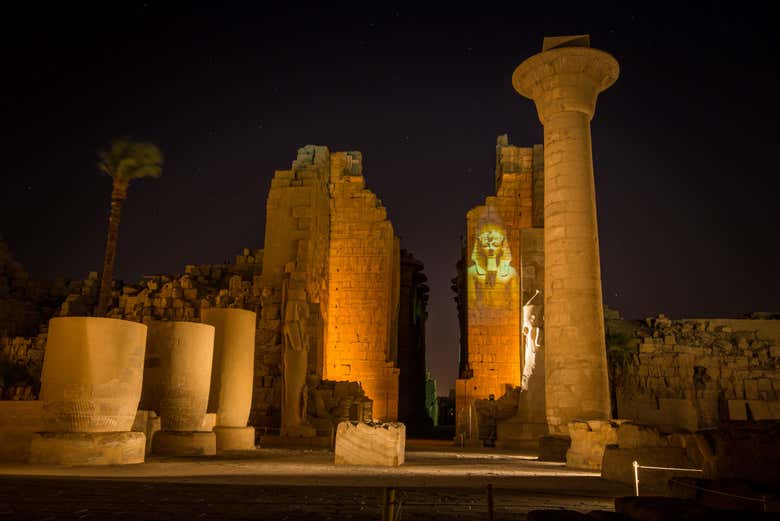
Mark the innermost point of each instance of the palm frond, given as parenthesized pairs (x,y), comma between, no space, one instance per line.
(126,160)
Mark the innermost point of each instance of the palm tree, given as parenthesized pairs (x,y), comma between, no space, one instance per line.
(123,160)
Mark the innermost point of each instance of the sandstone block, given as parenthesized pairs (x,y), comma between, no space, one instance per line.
(382,444)
(234,438)
(88,448)
(588,441)
(631,436)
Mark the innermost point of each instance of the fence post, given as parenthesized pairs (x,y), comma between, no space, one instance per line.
(636,477)
(490,501)
(389,505)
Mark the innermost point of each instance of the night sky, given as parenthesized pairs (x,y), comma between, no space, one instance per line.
(685,143)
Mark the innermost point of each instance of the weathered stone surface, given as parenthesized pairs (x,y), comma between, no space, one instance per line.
(19,421)
(232,370)
(186,350)
(234,438)
(363,288)
(87,448)
(685,371)
(588,441)
(381,444)
(631,436)
(92,374)
(182,443)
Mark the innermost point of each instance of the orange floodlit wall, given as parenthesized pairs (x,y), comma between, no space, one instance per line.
(363,289)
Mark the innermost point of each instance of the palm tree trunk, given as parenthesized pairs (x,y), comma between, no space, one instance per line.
(118,196)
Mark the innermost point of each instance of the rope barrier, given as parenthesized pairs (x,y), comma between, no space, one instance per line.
(637,466)
(762,500)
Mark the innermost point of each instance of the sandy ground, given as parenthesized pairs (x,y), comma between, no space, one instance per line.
(436,482)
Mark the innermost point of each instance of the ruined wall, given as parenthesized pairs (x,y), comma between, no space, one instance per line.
(294,273)
(492,277)
(363,288)
(691,374)
(26,303)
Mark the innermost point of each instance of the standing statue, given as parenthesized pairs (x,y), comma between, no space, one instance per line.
(532,333)
(295,359)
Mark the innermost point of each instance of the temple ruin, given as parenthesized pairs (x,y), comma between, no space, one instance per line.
(317,340)
(501,275)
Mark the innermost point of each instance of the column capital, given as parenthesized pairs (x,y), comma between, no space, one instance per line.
(565,79)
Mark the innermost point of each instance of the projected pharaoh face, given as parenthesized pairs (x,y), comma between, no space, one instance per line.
(492,255)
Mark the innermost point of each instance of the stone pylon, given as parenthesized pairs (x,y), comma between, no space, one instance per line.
(564,81)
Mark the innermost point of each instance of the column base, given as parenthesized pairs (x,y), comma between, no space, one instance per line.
(234,438)
(184,443)
(87,448)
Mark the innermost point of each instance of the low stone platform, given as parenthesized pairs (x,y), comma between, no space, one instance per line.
(381,444)
(234,438)
(181,443)
(88,448)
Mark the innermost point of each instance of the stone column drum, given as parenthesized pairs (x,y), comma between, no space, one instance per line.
(564,81)
(90,388)
(232,375)
(185,351)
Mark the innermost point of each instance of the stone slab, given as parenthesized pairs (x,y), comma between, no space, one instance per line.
(175,443)
(234,438)
(759,410)
(88,448)
(379,444)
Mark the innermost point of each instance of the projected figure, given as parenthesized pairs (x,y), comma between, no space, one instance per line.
(532,333)
(492,280)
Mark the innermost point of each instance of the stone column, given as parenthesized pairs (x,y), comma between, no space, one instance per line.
(185,352)
(90,388)
(564,81)
(232,375)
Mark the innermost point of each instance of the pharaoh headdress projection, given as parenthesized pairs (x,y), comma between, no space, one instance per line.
(492,279)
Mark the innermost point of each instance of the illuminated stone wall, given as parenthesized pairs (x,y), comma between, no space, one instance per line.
(294,272)
(493,300)
(363,289)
